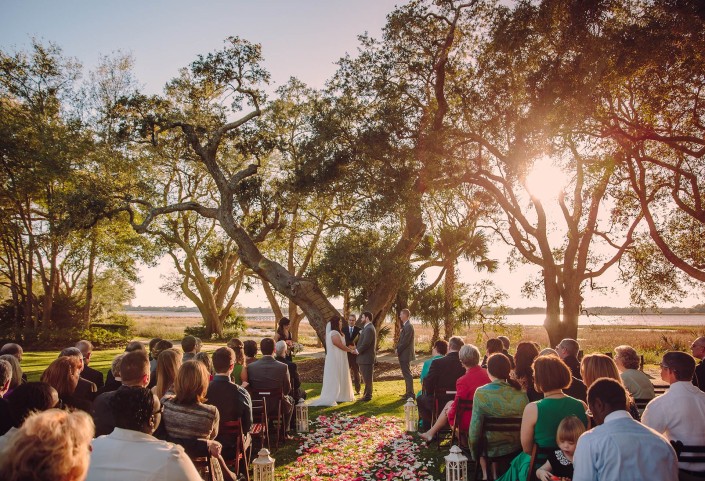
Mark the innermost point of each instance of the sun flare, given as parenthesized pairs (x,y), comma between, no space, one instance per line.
(545,181)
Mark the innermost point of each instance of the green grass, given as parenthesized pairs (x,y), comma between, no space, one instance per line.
(34,363)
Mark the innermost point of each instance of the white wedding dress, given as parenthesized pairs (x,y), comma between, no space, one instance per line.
(337,385)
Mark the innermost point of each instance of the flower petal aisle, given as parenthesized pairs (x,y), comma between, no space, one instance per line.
(357,448)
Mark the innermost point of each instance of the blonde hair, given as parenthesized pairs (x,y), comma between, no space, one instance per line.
(595,366)
(52,445)
(570,429)
(168,364)
(61,375)
(191,383)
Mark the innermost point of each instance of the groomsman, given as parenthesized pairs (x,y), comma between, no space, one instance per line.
(367,353)
(352,333)
(405,352)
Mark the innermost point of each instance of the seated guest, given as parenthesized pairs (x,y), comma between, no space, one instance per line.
(679,414)
(505,348)
(268,373)
(5,379)
(636,382)
(560,462)
(26,399)
(577,388)
(465,387)
(698,349)
(493,346)
(134,371)
(541,418)
(524,358)
(88,373)
(63,375)
(239,375)
(130,452)
(442,376)
(620,448)
(190,345)
(160,347)
(440,349)
(204,358)
(152,344)
(17,374)
(113,379)
(186,416)
(233,402)
(501,398)
(280,349)
(14,350)
(568,350)
(595,366)
(249,347)
(131,346)
(168,365)
(52,445)
(84,389)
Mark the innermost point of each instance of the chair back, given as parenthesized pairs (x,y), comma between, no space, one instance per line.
(440,399)
(689,454)
(490,424)
(462,406)
(233,429)
(538,457)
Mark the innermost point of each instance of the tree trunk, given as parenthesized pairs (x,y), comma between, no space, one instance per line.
(49,290)
(552,323)
(346,303)
(276,308)
(29,317)
(89,281)
(449,296)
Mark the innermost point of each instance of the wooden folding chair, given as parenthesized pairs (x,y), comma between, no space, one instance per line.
(538,454)
(489,424)
(233,429)
(440,399)
(462,406)
(274,400)
(689,454)
(203,466)
(260,424)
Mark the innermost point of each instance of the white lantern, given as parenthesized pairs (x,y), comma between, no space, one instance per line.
(411,415)
(302,416)
(456,465)
(263,466)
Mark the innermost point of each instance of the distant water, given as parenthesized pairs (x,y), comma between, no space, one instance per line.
(524,319)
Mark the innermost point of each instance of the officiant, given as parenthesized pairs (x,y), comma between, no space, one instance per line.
(352,333)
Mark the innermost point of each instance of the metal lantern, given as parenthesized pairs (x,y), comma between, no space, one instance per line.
(456,465)
(302,416)
(411,415)
(263,466)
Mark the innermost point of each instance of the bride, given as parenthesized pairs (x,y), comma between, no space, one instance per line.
(337,385)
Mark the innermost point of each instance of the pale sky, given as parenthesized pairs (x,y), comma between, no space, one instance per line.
(301,38)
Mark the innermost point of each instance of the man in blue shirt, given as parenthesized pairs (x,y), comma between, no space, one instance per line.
(620,448)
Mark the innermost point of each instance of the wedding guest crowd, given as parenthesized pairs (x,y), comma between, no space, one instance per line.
(578,413)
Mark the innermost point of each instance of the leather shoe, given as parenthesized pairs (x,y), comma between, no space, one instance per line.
(365,399)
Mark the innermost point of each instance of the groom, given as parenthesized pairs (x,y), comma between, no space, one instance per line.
(366,353)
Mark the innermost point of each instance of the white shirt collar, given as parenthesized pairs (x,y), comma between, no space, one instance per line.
(130,435)
(621,414)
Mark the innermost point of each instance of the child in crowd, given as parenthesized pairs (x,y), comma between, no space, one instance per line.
(560,462)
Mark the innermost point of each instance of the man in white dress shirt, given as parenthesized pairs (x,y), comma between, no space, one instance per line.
(620,448)
(679,414)
(130,452)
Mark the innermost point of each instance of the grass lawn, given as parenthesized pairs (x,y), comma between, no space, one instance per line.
(34,363)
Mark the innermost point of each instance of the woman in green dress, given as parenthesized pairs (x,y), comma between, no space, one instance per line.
(239,375)
(502,398)
(541,418)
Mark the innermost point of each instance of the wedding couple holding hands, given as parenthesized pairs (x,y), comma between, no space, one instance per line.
(337,383)
(343,354)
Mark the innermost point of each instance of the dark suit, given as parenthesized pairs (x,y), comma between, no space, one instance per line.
(442,375)
(103,413)
(233,403)
(574,365)
(294,377)
(6,418)
(577,389)
(699,377)
(85,390)
(350,340)
(268,373)
(367,356)
(406,353)
(111,384)
(93,375)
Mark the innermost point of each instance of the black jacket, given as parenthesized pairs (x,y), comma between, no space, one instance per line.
(350,340)
(443,373)
(93,375)
(233,401)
